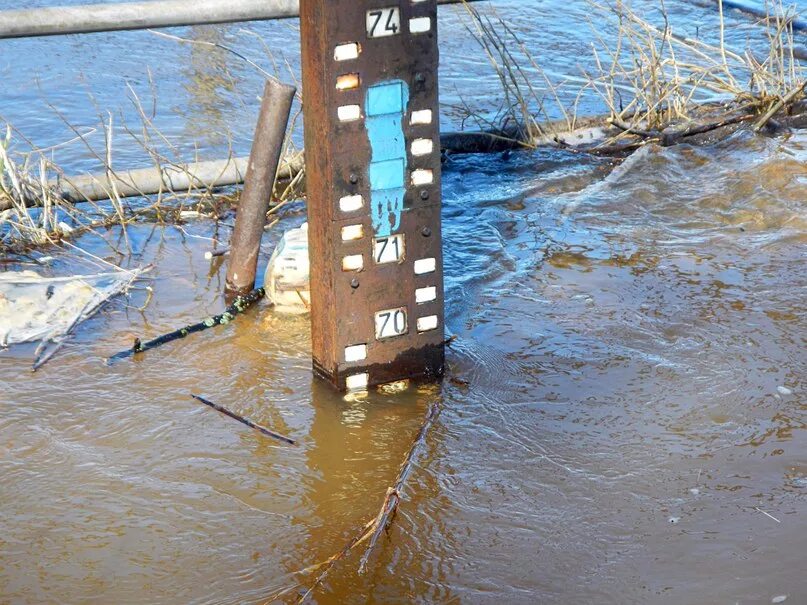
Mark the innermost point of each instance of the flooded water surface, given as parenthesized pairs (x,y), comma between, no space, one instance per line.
(622,421)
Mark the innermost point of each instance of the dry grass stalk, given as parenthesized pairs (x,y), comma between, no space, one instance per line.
(649,78)
(670,76)
(37,215)
(507,54)
(22,180)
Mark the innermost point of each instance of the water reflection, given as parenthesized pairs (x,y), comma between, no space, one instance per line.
(356,446)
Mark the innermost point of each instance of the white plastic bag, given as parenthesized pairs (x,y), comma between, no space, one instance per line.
(287,276)
(46,309)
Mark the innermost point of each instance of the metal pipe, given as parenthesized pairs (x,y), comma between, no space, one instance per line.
(763,12)
(149,181)
(140,182)
(213,174)
(89,18)
(267,147)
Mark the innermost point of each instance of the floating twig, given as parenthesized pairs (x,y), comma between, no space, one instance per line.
(243,420)
(393,497)
(241,304)
(373,528)
(779,105)
(359,538)
(211,254)
(759,510)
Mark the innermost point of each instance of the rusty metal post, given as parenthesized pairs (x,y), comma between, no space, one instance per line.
(374,194)
(258,185)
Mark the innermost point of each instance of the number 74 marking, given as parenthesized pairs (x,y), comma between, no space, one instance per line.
(382,22)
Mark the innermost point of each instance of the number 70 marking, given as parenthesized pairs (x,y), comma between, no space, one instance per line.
(390,323)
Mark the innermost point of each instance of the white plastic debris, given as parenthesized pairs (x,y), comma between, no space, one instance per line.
(187,215)
(287,276)
(46,309)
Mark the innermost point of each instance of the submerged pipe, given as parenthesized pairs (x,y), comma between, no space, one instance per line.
(264,159)
(90,18)
(134,183)
(763,12)
(214,174)
(151,181)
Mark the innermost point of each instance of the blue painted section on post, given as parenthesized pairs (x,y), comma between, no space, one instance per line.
(387,174)
(385,98)
(386,108)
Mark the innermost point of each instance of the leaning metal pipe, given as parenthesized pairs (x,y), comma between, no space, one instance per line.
(267,147)
(89,18)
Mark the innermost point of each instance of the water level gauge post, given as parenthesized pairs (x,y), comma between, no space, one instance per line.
(374,189)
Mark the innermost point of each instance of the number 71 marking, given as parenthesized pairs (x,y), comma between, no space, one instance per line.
(382,22)
(388,249)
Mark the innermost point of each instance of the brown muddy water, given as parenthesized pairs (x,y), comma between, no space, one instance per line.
(623,419)
(624,405)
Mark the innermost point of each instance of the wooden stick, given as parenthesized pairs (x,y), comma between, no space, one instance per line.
(372,530)
(359,538)
(669,139)
(241,304)
(704,128)
(786,100)
(210,255)
(393,497)
(646,134)
(251,424)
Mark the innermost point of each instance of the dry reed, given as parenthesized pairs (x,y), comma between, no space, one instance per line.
(33,212)
(648,77)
